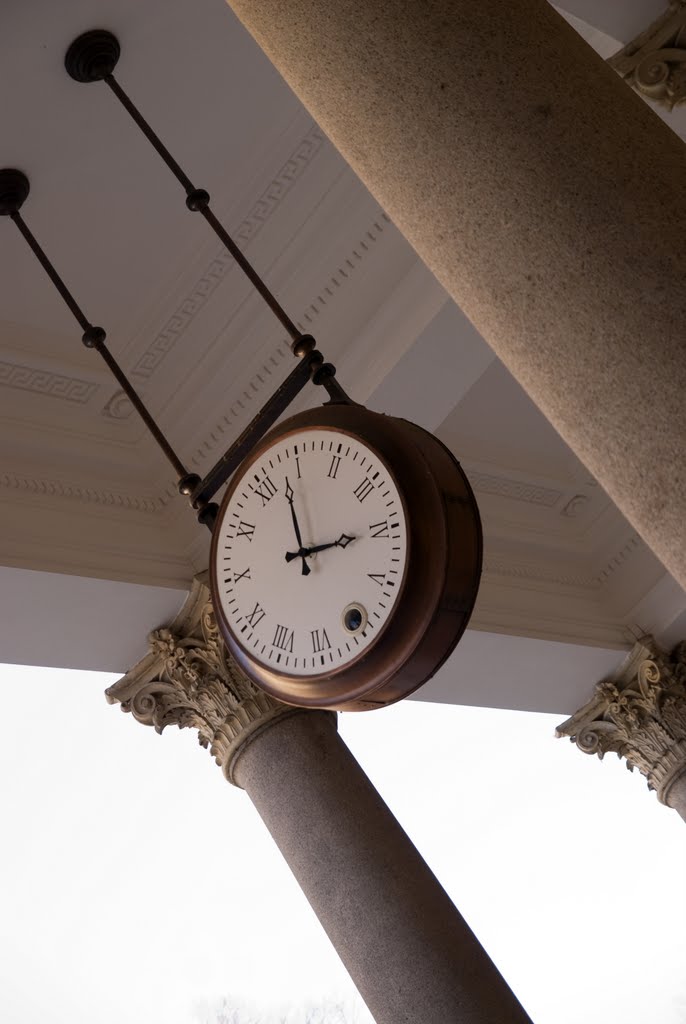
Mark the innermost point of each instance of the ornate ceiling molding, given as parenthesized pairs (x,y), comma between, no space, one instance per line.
(186,311)
(343,271)
(334,283)
(575,506)
(188,679)
(640,714)
(633,544)
(46,383)
(88,495)
(223,431)
(654,63)
(518,490)
(241,405)
(495,565)
(118,407)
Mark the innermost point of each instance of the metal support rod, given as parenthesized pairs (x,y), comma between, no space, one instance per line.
(198,200)
(47,266)
(257,428)
(92,57)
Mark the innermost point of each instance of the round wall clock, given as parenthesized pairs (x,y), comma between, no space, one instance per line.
(346,559)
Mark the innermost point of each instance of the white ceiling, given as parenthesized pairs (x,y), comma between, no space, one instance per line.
(83,491)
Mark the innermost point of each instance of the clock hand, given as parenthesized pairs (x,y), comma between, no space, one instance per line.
(303,553)
(289,498)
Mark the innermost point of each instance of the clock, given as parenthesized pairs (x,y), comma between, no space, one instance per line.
(345,559)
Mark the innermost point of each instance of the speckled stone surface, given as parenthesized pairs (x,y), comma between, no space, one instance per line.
(408,950)
(545,196)
(676,797)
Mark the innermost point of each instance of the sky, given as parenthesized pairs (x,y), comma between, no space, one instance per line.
(138,886)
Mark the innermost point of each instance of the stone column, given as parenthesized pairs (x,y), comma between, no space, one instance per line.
(408,950)
(544,195)
(640,714)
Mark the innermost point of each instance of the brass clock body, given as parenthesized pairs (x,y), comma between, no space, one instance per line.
(393,581)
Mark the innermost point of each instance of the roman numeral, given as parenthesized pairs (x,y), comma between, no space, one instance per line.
(256,615)
(333,468)
(266,491)
(241,575)
(378,577)
(245,530)
(363,489)
(320,641)
(380,529)
(283,639)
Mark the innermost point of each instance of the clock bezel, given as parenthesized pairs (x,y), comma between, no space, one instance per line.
(276,437)
(440,577)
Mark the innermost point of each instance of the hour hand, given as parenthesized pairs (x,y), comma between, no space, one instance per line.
(342,542)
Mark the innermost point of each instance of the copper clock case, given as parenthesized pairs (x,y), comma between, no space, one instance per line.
(442,572)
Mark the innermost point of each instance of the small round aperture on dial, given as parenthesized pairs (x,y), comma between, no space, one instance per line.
(354,618)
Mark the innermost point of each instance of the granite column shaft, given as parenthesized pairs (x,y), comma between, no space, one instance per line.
(406,947)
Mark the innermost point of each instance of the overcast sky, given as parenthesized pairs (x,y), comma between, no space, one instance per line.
(137,886)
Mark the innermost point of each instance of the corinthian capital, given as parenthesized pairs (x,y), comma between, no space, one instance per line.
(640,714)
(654,63)
(188,679)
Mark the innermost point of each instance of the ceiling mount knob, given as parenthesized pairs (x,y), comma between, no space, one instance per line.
(14,188)
(92,56)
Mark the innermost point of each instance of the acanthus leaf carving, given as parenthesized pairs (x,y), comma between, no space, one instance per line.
(188,679)
(654,63)
(640,715)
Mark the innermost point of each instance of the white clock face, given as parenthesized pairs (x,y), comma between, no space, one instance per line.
(311,553)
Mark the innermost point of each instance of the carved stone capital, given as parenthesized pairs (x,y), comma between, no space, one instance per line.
(188,679)
(654,63)
(640,714)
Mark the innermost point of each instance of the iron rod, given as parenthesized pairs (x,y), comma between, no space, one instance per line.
(256,429)
(138,404)
(50,271)
(150,135)
(252,275)
(203,207)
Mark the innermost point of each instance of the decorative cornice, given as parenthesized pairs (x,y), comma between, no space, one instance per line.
(574,506)
(89,495)
(344,269)
(43,382)
(640,714)
(282,351)
(654,63)
(242,402)
(223,262)
(119,408)
(518,490)
(535,573)
(619,558)
(188,679)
